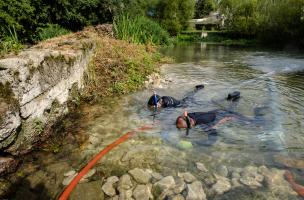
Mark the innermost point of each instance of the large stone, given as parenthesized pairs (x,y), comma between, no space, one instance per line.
(187,176)
(165,183)
(140,175)
(195,191)
(7,165)
(142,192)
(88,191)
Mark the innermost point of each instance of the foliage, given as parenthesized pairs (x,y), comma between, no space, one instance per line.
(174,14)
(50,31)
(268,20)
(140,30)
(203,8)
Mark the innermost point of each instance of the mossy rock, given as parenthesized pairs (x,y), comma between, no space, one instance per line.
(183,144)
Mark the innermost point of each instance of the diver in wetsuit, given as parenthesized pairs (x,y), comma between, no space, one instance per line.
(157,101)
(209,121)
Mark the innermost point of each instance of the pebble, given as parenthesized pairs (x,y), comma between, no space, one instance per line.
(140,175)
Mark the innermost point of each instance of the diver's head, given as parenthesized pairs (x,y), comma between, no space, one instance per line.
(155,101)
(185,121)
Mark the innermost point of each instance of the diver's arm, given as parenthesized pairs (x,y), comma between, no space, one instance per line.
(222,121)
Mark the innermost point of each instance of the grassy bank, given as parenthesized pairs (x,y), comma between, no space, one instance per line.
(119,67)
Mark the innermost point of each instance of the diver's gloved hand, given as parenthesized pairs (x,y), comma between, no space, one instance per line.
(234,96)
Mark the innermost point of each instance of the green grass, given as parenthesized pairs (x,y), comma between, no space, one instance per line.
(140,30)
(50,31)
(10,42)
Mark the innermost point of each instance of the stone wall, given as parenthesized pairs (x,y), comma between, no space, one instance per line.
(35,87)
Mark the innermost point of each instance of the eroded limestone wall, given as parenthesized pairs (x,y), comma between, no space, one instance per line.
(35,87)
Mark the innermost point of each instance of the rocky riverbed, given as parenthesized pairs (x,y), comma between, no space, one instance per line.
(201,184)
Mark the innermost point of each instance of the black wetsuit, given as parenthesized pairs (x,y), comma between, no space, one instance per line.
(170,102)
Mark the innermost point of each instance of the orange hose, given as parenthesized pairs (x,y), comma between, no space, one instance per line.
(66,193)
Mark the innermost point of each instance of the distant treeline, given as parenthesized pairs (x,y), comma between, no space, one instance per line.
(270,21)
(29,18)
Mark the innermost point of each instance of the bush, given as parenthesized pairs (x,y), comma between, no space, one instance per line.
(139,30)
(50,31)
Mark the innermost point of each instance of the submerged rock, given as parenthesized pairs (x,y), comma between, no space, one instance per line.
(222,170)
(221,186)
(125,195)
(125,182)
(140,175)
(250,181)
(185,145)
(187,176)
(165,183)
(108,187)
(201,167)
(178,197)
(195,191)
(180,186)
(142,192)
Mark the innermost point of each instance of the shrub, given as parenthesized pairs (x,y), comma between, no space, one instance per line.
(50,31)
(139,30)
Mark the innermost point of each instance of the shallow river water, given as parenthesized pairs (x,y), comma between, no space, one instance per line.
(272,81)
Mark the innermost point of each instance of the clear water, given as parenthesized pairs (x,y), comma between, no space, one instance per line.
(270,79)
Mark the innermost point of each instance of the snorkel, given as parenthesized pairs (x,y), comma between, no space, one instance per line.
(187,119)
(155,100)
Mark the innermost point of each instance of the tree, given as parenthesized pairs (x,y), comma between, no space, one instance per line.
(174,14)
(203,8)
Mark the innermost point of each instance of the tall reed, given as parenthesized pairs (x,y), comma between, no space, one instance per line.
(140,30)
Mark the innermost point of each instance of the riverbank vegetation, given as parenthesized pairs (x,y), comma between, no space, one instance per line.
(271,22)
(266,21)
